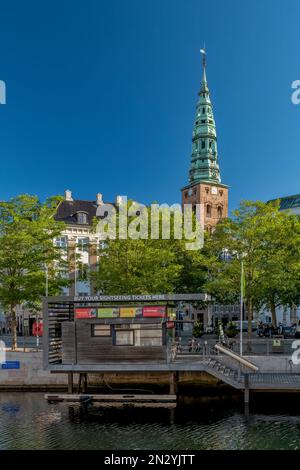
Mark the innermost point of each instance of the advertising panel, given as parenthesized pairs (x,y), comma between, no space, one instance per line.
(154,311)
(37,328)
(81,313)
(131,312)
(108,312)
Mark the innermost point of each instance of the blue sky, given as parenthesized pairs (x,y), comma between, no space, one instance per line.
(101,96)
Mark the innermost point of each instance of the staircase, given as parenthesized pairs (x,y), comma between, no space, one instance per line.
(217,364)
(223,372)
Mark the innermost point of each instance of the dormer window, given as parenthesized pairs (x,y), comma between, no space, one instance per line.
(82,218)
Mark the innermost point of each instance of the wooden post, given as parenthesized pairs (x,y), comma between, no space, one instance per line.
(84,383)
(247,391)
(173,383)
(79,384)
(70,382)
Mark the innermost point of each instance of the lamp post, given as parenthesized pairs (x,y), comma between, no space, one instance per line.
(242,306)
(37,315)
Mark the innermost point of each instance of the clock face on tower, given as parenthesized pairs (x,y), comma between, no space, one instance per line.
(214,190)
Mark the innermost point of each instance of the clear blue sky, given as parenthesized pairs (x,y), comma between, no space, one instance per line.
(101,95)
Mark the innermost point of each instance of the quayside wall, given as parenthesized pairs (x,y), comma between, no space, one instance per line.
(32,376)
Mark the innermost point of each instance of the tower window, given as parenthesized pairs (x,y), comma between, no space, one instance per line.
(203,144)
(203,110)
(210,144)
(208,211)
(220,212)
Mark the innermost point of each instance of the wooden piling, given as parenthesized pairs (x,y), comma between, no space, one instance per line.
(246,390)
(70,382)
(173,383)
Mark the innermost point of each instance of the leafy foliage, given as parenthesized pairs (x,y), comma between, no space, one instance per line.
(27,232)
(268,242)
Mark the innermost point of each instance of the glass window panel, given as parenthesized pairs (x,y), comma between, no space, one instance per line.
(124,338)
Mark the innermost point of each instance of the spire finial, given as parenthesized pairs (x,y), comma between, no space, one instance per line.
(204,86)
(203,52)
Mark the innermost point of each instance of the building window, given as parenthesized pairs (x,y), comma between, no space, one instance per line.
(125,338)
(101,330)
(206,189)
(83,245)
(203,110)
(208,211)
(220,212)
(82,271)
(221,192)
(82,218)
(203,144)
(61,242)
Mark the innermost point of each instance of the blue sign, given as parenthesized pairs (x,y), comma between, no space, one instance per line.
(11,365)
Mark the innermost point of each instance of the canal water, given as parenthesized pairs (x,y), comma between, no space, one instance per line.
(27,421)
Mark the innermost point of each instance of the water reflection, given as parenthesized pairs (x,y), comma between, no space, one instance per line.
(27,421)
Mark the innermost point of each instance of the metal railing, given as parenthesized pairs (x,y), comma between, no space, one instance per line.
(24,343)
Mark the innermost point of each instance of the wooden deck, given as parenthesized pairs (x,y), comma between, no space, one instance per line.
(275,382)
(114,400)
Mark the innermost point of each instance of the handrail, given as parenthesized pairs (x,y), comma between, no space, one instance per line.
(235,356)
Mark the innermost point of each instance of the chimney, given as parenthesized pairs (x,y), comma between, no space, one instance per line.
(118,200)
(99,199)
(68,195)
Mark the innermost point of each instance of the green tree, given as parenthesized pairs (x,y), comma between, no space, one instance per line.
(268,242)
(27,233)
(279,262)
(149,266)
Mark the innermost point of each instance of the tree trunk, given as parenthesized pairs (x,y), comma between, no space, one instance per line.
(273,313)
(250,316)
(13,327)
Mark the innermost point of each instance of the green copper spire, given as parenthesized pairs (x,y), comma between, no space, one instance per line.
(204,159)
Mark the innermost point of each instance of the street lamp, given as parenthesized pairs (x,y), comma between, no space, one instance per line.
(242,304)
(37,315)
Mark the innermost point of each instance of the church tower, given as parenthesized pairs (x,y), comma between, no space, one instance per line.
(205,186)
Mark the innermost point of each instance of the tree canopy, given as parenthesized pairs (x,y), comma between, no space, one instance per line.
(268,242)
(27,249)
